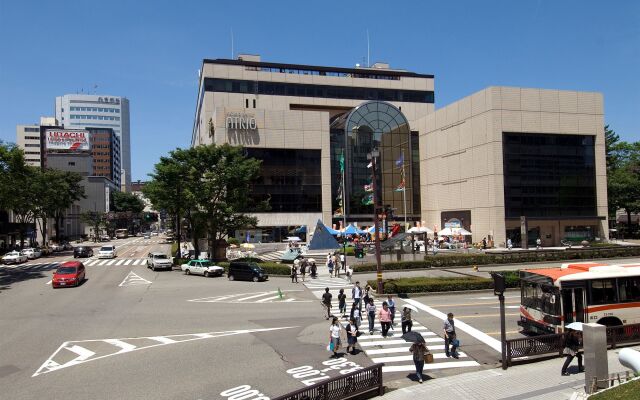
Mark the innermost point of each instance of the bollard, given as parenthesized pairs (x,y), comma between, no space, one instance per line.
(595,356)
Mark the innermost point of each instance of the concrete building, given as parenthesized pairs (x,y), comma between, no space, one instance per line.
(28,139)
(99,111)
(480,163)
(507,152)
(283,114)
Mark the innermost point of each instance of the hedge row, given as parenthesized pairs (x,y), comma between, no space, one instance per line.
(449,260)
(426,285)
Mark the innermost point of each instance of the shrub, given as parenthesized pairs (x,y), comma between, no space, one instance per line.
(233,240)
(448,284)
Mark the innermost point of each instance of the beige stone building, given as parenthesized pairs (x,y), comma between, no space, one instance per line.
(506,152)
(282,113)
(480,163)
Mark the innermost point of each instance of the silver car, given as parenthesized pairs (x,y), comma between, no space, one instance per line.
(157,260)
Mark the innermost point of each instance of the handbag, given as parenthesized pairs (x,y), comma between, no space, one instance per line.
(428,358)
(455,342)
(331,346)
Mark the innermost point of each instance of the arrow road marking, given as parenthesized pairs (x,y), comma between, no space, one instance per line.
(123,345)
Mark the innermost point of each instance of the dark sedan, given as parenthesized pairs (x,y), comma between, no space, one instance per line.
(82,251)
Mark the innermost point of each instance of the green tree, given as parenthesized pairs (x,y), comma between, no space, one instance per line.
(623,174)
(127,207)
(56,191)
(96,220)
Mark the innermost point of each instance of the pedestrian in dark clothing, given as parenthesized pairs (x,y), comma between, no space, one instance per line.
(303,268)
(572,344)
(407,323)
(450,337)
(314,269)
(418,350)
(342,302)
(371,315)
(326,301)
(352,335)
(294,273)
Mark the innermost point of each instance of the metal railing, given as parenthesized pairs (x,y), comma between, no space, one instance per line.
(533,346)
(366,380)
(554,343)
(623,334)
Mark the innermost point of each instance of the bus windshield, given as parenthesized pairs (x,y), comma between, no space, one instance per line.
(541,297)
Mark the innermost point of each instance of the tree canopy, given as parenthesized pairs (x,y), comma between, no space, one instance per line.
(210,186)
(623,173)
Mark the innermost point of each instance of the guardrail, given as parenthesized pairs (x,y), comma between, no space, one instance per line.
(366,380)
(623,334)
(554,343)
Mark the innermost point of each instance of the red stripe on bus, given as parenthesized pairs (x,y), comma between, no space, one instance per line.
(613,307)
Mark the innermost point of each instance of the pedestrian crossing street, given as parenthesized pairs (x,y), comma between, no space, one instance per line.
(393,351)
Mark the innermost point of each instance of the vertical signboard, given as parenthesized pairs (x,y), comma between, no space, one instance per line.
(106,199)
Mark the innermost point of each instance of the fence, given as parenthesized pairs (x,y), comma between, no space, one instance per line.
(554,343)
(367,380)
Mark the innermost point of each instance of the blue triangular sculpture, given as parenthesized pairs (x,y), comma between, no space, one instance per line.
(322,239)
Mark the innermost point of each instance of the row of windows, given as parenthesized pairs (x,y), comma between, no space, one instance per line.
(29,129)
(603,291)
(37,153)
(364,74)
(32,137)
(31,145)
(99,117)
(323,91)
(96,109)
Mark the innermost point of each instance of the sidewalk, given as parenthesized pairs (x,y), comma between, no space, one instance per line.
(538,380)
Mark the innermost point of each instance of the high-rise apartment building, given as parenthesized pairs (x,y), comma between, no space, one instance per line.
(105,149)
(28,139)
(99,111)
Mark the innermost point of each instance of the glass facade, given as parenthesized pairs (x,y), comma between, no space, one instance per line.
(289,179)
(549,176)
(372,125)
(321,91)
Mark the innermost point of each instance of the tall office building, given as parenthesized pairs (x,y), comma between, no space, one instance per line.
(99,111)
(28,139)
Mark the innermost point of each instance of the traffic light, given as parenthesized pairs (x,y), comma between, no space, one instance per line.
(359,252)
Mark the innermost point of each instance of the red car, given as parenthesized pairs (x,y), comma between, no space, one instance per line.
(70,273)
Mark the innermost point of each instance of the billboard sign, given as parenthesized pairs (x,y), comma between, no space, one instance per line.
(69,140)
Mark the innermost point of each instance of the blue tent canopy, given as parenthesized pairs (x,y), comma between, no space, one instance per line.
(331,231)
(352,230)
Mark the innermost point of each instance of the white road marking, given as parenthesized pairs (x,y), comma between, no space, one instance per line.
(514,307)
(477,334)
(138,262)
(111,262)
(128,262)
(267,299)
(437,356)
(453,364)
(248,298)
(48,283)
(494,297)
(133,279)
(379,336)
(120,262)
(123,345)
(251,297)
(103,262)
(50,365)
(399,341)
(163,339)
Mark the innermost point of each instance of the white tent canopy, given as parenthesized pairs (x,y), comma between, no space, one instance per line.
(420,229)
(454,232)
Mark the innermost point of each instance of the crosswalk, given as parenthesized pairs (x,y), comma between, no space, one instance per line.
(393,351)
(271,255)
(273,296)
(33,267)
(115,261)
(326,282)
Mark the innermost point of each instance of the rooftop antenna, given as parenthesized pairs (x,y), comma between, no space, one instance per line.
(368,61)
(232,43)
(95,87)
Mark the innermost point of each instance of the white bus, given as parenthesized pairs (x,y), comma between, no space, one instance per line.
(579,292)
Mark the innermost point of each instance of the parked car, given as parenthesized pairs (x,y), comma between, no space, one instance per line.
(82,251)
(67,246)
(243,270)
(70,273)
(157,260)
(107,252)
(147,235)
(56,247)
(104,238)
(202,267)
(14,257)
(46,251)
(31,253)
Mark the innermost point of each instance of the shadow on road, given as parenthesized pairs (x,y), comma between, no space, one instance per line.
(9,276)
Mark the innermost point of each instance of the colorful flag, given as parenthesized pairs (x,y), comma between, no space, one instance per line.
(400,161)
(341,159)
(367,199)
(368,188)
(338,212)
(400,187)
(370,165)
(339,197)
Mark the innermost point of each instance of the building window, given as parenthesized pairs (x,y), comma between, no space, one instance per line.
(254,103)
(246,103)
(72,163)
(549,176)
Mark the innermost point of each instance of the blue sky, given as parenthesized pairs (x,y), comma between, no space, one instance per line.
(150,52)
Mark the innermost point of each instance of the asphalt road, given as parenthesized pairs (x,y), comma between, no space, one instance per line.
(130,333)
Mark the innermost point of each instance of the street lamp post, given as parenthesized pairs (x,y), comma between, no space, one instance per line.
(376,225)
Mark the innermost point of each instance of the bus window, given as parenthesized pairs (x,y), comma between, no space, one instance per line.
(540,297)
(603,291)
(629,289)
